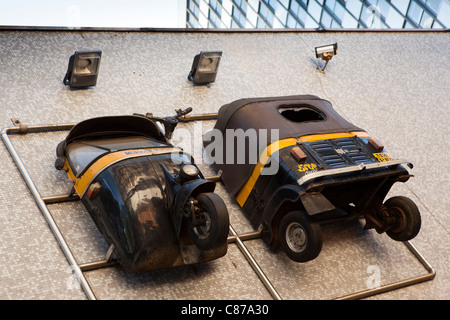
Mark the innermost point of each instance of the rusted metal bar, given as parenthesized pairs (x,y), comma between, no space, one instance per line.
(195,117)
(90,266)
(60,198)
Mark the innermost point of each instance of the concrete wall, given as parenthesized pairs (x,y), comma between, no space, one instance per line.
(393,84)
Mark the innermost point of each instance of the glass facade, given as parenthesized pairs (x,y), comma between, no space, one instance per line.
(377,14)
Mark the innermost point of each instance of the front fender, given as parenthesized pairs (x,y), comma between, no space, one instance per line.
(285,194)
(290,193)
(187,190)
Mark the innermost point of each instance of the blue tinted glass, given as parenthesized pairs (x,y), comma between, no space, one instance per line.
(426,21)
(310,22)
(394,19)
(354,7)
(326,20)
(315,10)
(291,22)
(444,13)
(330,4)
(312,13)
(285,3)
(415,12)
(339,11)
(434,5)
(349,21)
(401,5)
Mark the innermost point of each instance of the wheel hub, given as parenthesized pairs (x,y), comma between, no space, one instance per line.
(202,230)
(296,237)
(397,219)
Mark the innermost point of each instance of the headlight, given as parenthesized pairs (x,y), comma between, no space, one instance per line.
(189,170)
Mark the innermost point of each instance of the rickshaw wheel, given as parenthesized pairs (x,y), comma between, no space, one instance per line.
(300,238)
(405,216)
(214,231)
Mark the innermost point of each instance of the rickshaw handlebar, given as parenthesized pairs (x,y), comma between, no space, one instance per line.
(181,113)
(169,122)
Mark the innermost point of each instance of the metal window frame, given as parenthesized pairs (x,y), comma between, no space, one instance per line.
(234,237)
(361,23)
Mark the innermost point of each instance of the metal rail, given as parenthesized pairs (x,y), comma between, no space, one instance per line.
(43,207)
(233,238)
(264,279)
(400,284)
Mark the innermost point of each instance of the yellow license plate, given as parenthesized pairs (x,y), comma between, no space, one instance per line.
(307,167)
(382,157)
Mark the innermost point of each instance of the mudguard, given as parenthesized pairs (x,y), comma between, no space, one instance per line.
(313,203)
(190,189)
(177,195)
(286,193)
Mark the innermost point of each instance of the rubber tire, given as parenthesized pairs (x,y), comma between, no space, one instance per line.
(411,214)
(311,231)
(217,233)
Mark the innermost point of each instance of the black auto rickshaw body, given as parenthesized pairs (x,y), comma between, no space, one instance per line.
(326,167)
(147,197)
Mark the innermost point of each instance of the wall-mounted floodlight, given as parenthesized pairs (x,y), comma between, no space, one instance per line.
(326,53)
(83,69)
(204,67)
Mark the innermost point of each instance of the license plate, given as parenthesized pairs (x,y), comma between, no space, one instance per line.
(382,157)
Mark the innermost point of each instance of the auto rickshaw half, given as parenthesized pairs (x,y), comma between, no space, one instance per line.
(146,196)
(325,167)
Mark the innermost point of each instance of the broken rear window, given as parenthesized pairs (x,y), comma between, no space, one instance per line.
(301,113)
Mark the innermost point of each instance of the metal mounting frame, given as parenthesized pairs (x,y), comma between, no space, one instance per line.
(234,237)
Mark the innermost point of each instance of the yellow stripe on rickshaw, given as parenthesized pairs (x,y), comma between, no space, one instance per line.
(82,183)
(245,191)
(339,135)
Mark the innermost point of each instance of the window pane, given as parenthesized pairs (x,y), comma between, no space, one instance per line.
(444,13)
(415,12)
(310,23)
(315,10)
(326,20)
(330,4)
(349,21)
(434,5)
(401,5)
(394,19)
(427,21)
(354,6)
(291,22)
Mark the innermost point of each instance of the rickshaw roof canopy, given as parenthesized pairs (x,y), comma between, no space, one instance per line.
(115,126)
(280,113)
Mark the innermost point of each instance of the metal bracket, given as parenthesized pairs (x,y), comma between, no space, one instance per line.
(17,123)
(216,178)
